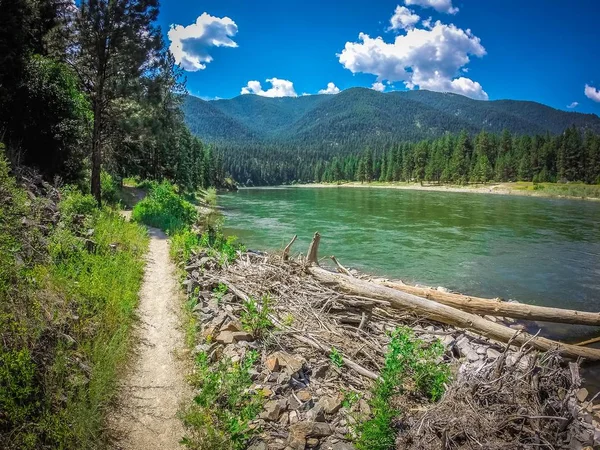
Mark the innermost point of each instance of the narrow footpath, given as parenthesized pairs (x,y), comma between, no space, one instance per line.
(154,388)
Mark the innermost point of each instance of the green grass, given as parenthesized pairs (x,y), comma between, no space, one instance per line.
(336,358)
(65,318)
(223,407)
(164,208)
(576,190)
(408,360)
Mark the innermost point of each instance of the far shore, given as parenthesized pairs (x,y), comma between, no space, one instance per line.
(551,190)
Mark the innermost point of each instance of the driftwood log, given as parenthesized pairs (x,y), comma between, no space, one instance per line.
(500,308)
(439,312)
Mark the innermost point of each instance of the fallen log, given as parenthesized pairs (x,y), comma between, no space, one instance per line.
(438,312)
(484,306)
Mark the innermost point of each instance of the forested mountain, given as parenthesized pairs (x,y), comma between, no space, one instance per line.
(408,136)
(358,117)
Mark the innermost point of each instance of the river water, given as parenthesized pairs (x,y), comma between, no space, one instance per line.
(535,250)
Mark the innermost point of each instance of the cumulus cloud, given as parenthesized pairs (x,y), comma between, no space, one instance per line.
(279,88)
(331,89)
(573,105)
(403,19)
(592,93)
(425,58)
(190,44)
(378,86)
(443,6)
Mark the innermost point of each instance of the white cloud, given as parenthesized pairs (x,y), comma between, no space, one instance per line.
(592,93)
(279,88)
(427,58)
(573,105)
(190,44)
(331,89)
(403,19)
(443,6)
(378,86)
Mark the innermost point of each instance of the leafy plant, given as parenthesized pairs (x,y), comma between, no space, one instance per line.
(255,317)
(166,209)
(336,358)
(350,399)
(220,291)
(406,358)
(224,406)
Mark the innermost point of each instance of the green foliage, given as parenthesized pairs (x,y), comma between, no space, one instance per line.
(336,358)
(224,406)
(183,243)
(109,188)
(220,291)
(350,399)
(407,359)
(223,247)
(255,317)
(320,138)
(65,330)
(164,208)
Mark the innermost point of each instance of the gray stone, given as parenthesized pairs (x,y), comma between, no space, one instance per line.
(273,409)
(316,413)
(492,354)
(260,445)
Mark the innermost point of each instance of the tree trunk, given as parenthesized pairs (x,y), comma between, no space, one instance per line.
(484,306)
(438,312)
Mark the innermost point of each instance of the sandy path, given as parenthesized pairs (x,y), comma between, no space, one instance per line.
(152,391)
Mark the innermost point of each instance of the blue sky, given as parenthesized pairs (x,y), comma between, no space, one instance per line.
(541,50)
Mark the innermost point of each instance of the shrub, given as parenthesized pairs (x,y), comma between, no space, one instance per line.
(406,358)
(224,406)
(164,208)
(109,188)
(255,317)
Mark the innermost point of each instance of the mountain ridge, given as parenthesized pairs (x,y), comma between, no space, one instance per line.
(358,116)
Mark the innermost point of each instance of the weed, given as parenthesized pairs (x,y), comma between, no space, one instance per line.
(350,399)
(406,358)
(220,291)
(166,209)
(224,406)
(255,317)
(336,358)
(288,320)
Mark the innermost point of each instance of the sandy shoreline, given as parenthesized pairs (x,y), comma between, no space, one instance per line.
(497,189)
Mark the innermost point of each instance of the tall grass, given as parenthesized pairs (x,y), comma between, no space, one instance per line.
(164,208)
(66,311)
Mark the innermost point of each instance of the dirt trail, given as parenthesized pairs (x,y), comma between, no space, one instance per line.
(152,391)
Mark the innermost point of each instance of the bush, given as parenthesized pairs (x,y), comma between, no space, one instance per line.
(65,325)
(109,188)
(224,406)
(406,359)
(164,208)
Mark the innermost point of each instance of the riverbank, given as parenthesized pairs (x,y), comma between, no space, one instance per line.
(578,191)
(317,366)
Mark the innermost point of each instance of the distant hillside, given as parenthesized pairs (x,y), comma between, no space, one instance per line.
(359,116)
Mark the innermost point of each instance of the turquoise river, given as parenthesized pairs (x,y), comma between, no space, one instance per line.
(535,250)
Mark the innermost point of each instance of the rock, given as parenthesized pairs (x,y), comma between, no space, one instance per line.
(492,354)
(232,326)
(321,371)
(448,340)
(273,410)
(340,445)
(312,442)
(316,413)
(260,445)
(331,405)
(228,337)
(285,419)
(582,394)
(364,407)
(304,395)
(272,363)
(301,431)
(443,289)
(481,350)
(293,417)
(291,363)
(518,327)
(472,356)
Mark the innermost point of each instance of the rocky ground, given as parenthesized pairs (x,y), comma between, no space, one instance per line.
(501,396)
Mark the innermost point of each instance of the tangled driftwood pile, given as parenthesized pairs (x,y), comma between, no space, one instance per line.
(504,395)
